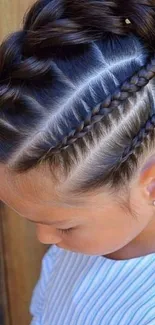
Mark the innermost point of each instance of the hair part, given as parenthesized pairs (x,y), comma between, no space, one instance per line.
(77,94)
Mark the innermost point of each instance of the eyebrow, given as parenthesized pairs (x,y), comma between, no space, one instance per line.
(50,223)
(70,203)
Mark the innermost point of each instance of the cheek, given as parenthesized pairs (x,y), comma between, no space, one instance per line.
(104,237)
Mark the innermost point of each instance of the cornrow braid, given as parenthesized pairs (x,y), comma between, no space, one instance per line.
(129,87)
(137,140)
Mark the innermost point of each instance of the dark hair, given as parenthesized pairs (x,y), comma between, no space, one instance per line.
(77,90)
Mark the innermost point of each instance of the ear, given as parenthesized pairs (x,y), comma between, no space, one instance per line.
(147,180)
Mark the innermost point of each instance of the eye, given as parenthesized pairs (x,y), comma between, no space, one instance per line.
(66,231)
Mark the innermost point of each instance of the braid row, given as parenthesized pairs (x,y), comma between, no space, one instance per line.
(129,87)
(139,138)
(52,24)
(65,22)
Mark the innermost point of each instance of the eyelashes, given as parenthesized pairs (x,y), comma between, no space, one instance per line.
(66,231)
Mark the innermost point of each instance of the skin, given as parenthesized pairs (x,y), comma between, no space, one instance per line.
(118,225)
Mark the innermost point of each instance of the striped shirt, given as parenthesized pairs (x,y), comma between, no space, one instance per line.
(77,289)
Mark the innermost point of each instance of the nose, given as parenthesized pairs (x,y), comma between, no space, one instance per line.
(47,235)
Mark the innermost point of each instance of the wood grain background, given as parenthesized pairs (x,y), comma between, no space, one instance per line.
(20,251)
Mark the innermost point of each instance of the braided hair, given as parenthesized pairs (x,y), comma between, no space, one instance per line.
(77,89)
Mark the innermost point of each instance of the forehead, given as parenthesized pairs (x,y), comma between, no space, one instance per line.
(39,186)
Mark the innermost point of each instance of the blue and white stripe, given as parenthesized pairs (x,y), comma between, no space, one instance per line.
(77,289)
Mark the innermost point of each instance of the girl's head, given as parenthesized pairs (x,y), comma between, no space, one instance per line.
(77,117)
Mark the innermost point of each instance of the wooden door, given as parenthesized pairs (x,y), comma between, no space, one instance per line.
(20,251)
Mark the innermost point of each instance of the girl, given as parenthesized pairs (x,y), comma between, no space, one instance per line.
(77,156)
